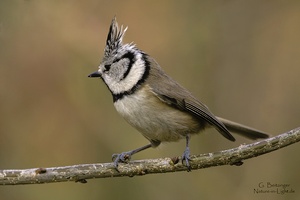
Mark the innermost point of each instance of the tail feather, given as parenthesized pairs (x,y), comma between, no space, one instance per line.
(243,130)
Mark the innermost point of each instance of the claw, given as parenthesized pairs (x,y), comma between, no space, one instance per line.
(125,156)
(186,154)
(122,157)
(186,158)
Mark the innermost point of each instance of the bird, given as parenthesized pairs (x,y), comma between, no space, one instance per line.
(154,103)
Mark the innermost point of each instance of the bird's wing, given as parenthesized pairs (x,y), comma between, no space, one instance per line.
(197,110)
(173,94)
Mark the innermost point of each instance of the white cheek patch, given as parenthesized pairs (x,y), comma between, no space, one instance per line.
(135,74)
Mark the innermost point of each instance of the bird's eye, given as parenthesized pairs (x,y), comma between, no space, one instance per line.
(106,67)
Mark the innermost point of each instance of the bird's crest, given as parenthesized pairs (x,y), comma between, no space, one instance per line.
(114,38)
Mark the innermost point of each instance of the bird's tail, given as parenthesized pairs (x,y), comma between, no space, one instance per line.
(243,130)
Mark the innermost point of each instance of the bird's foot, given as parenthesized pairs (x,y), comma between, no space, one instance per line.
(186,158)
(123,157)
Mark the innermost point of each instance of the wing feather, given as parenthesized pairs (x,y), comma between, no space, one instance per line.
(173,94)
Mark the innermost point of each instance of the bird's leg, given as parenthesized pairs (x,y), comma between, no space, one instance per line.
(125,156)
(186,154)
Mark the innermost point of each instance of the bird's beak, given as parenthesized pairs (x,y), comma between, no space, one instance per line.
(95,74)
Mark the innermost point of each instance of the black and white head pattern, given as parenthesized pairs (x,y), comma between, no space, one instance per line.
(124,67)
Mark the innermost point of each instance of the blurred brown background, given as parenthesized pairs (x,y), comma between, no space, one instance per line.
(241,58)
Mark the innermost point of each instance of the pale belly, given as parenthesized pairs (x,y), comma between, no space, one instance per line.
(154,119)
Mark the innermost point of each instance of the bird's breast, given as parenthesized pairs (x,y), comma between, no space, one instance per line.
(155,119)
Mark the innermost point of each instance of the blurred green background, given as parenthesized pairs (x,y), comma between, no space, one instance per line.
(241,58)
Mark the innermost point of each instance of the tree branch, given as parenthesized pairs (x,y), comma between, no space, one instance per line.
(79,173)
